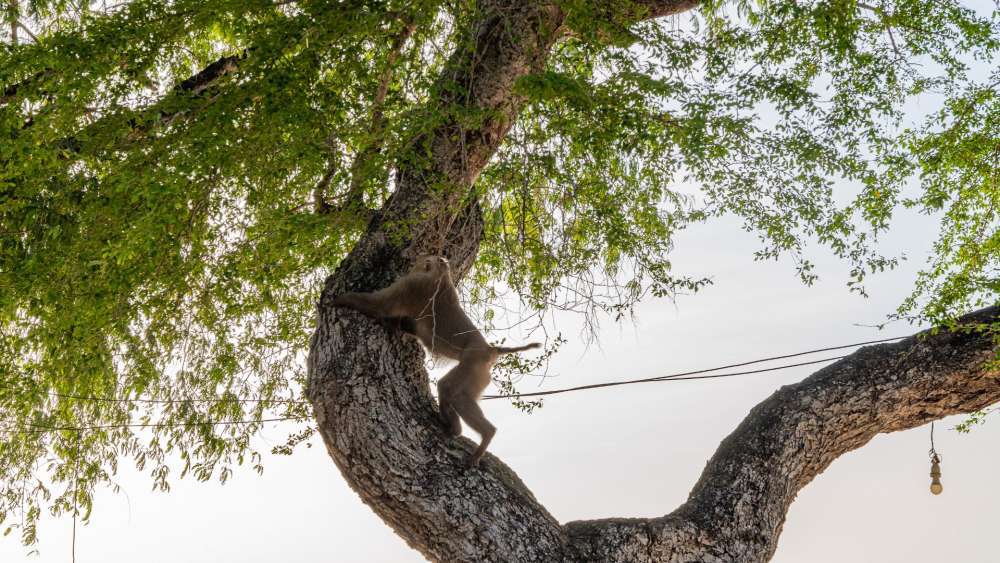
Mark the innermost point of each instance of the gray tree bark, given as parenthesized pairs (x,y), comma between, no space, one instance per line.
(374,410)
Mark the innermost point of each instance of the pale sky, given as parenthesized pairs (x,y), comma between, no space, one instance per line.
(631,451)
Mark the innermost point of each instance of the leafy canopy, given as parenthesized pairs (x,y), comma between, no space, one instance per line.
(176,178)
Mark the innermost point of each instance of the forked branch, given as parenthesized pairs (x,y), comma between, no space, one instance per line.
(374,410)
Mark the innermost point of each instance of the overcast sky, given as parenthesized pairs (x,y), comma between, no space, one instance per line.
(629,451)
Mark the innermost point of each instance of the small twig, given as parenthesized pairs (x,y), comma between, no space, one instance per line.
(28,31)
(319,201)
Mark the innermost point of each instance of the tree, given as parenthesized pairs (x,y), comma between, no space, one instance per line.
(178,177)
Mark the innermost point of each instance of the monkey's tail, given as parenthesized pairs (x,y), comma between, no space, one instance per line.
(512,349)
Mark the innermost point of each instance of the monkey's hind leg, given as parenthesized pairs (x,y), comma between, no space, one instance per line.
(452,425)
(474,417)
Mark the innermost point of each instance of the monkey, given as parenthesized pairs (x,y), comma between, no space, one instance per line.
(424,302)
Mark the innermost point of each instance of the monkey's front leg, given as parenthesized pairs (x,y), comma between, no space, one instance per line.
(366,303)
(376,306)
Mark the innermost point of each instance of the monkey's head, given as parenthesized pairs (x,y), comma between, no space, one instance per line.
(434,265)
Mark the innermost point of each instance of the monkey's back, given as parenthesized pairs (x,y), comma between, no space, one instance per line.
(446,330)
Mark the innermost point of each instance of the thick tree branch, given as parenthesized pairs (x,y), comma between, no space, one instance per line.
(737,509)
(368,386)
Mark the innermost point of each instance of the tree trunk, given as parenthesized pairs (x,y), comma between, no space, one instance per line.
(380,426)
(368,385)
(374,410)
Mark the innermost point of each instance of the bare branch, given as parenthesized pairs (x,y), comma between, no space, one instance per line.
(14,12)
(209,75)
(28,31)
(378,121)
(892,41)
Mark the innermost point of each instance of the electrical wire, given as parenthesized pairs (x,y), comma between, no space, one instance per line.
(172,401)
(682,376)
(686,375)
(675,377)
(35,429)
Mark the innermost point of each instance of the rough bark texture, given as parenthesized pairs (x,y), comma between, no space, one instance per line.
(379,422)
(368,385)
(370,392)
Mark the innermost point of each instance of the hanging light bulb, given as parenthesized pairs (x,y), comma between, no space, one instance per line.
(936,486)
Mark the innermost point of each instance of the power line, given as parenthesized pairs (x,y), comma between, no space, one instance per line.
(172,401)
(36,429)
(682,376)
(685,375)
(672,377)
